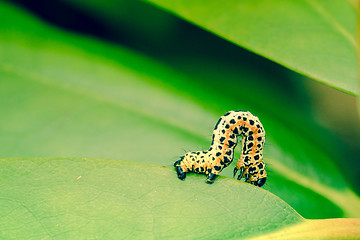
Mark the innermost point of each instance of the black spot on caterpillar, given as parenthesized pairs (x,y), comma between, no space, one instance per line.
(221,152)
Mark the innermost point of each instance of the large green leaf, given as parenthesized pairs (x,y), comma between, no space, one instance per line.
(315,38)
(105,199)
(65,95)
(69,198)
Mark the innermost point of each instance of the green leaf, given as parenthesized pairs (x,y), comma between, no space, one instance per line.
(84,199)
(73,198)
(66,95)
(322,229)
(314,38)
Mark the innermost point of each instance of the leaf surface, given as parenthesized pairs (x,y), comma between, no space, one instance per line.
(84,198)
(314,38)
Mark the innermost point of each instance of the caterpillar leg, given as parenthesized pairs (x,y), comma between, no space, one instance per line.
(180,173)
(211,177)
(258,181)
(242,169)
(240,166)
(253,173)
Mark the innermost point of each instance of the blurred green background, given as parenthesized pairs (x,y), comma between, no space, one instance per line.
(128,80)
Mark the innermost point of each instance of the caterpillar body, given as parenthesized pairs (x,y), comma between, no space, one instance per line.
(221,152)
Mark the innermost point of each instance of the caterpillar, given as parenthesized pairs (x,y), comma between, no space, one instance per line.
(221,152)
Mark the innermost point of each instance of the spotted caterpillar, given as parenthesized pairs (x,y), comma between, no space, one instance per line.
(221,152)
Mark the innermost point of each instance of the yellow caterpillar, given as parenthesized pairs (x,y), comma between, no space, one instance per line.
(221,152)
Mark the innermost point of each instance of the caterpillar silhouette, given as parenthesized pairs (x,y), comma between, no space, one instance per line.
(221,152)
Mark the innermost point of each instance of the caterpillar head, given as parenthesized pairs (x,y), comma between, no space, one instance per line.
(257,174)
